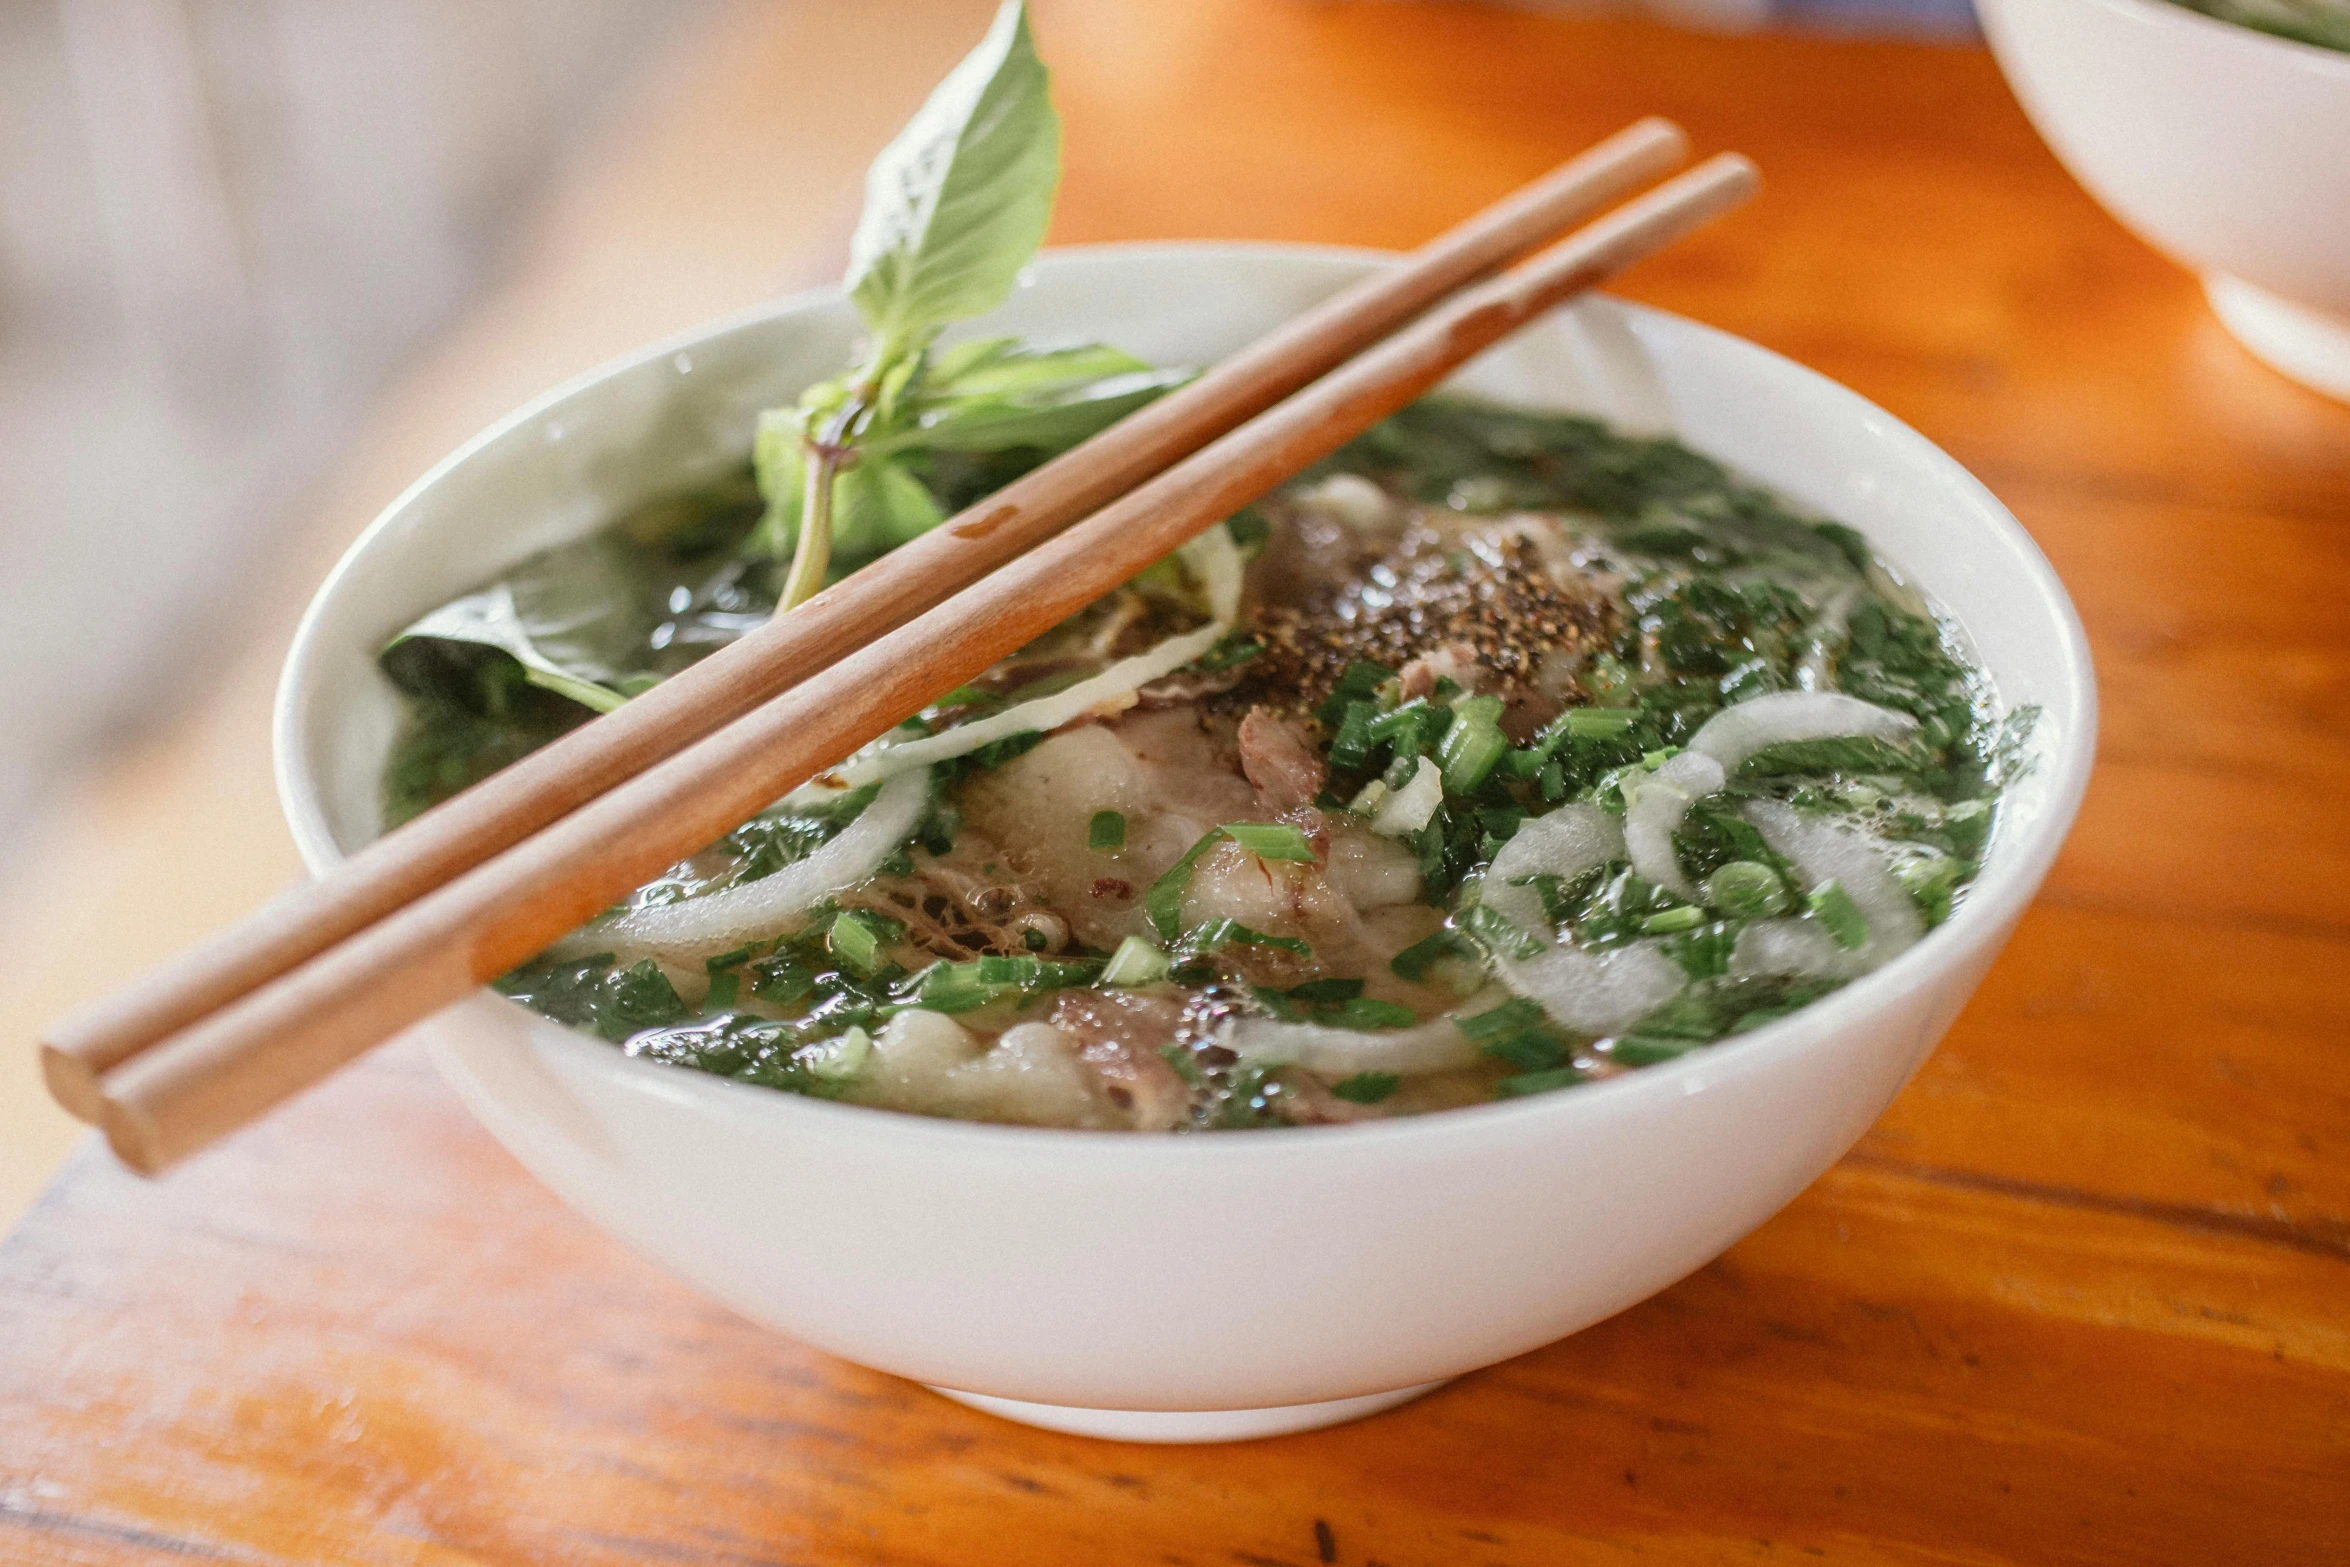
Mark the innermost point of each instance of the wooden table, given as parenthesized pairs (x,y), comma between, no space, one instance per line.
(2083,1296)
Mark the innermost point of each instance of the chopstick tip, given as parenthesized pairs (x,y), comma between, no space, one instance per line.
(71,1083)
(132,1137)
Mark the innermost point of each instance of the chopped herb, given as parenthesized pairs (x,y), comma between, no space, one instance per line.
(1542,1082)
(1106,833)
(1356,684)
(1217,933)
(1136,962)
(1499,933)
(1472,744)
(1367,1088)
(1519,1032)
(1842,917)
(1271,841)
(1164,901)
(1414,961)
(858,937)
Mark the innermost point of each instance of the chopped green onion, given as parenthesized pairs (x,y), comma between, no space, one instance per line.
(1321,990)
(1271,840)
(1273,1001)
(1746,889)
(840,1058)
(1410,729)
(1369,798)
(1843,918)
(959,987)
(1164,901)
(1136,962)
(1595,723)
(948,987)
(1367,1088)
(1519,1032)
(1517,1013)
(1106,833)
(1500,933)
(723,989)
(1930,881)
(1350,747)
(726,960)
(1231,933)
(856,939)
(1538,1082)
(1472,744)
(1414,961)
(1236,649)
(1364,1012)
(1356,685)
(782,981)
(1648,1050)
(1666,921)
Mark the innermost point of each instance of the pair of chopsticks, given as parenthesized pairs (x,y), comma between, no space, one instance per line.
(418,919)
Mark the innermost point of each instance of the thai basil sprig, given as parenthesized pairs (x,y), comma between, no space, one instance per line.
(954,208)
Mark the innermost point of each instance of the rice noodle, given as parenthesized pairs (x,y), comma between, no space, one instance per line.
(1654,805)
(1823,849)
(1213,560)
(1568,842)
(1598,992)
(1736,733)
(713,922)
(1437,1045)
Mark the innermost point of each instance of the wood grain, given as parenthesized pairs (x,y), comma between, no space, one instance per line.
(2082,1296)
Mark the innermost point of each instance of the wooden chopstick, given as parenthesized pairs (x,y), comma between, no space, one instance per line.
(512,804)
(218,1074)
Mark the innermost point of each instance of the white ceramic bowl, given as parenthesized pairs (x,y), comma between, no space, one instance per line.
(1189,1288)
(2224,148)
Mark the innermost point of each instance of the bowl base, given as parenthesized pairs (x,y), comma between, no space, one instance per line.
(2310,345)
(1190,1425)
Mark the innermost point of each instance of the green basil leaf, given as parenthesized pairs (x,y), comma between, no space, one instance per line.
(1005,367)
(877,506)
(957,203)
(1054,417)
(575,619)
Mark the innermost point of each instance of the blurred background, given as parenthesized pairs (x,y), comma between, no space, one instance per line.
(227,228)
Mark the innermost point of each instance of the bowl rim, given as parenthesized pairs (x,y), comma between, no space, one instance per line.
(2252,40)
(1994,901)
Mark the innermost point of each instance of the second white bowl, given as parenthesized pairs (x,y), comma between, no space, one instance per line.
(2224,148)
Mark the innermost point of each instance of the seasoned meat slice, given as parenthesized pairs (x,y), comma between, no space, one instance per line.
(1119,1035)
(1279,761)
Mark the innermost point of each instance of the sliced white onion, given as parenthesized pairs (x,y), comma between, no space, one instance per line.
(1736,733)
(1654,805)
(1213,560)
(1568,842)
(1818,663)
(1823,849)
(1414,805)
(1801,949)
(1598,992)
(1437,1045)
(714,922)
